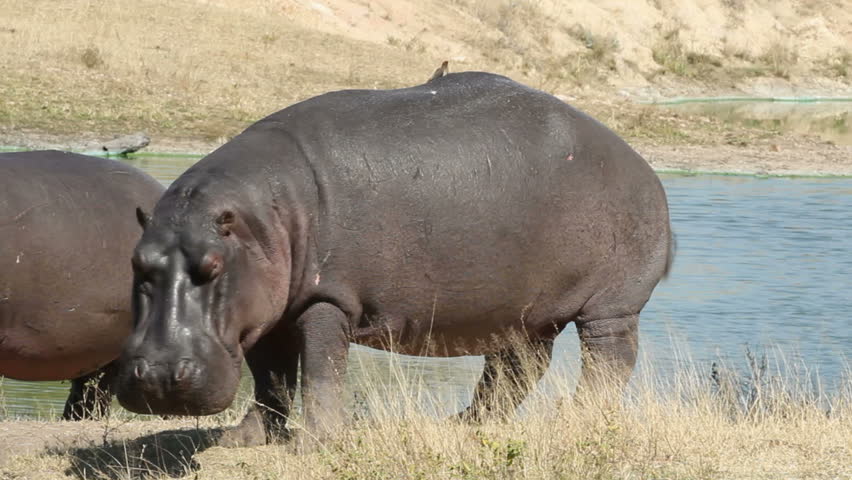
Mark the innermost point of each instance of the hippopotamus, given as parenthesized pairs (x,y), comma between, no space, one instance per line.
(441,219)
(65,279)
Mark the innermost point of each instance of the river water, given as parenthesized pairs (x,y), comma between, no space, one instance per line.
(762,263)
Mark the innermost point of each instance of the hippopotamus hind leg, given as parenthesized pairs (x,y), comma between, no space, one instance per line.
(508,377)
(609,347)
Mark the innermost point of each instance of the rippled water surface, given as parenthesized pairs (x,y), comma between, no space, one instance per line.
(761,263)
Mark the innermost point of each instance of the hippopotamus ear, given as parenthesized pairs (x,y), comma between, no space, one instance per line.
(142,217)
(225,222)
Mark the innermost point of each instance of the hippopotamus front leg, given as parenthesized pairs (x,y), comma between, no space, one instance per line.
(324,335)
(508,377)
(274,364)
(90,396)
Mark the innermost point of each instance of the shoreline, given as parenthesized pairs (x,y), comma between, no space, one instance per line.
(780,157)
(793,159)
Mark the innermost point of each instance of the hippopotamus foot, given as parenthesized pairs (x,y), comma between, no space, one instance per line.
(508,377)
(249,432)
(90,396)
(609,347)
(256,428)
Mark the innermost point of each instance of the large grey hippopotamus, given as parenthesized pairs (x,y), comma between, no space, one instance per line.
(67,228)
(440,220)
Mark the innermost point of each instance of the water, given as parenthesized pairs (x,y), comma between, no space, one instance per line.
(829,121)
(761,263)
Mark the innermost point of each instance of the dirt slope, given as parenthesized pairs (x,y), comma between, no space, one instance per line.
(635,43)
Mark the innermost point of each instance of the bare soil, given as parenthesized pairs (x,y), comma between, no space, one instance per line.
(32,437)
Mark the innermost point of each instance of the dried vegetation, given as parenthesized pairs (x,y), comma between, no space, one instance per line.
(767,419)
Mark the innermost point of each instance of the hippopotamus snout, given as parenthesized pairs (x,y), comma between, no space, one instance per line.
(160,385)
(190,383)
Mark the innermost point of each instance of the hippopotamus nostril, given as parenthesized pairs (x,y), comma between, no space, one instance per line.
(140,369)
(184,370)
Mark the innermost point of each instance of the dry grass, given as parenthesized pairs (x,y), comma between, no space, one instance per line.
(525,41)
(770,420)
(601,47)
(779,58)
(676,58)
(186,69)
(174,68)
(589,66)
(205,69)
(192,73)
(839,65)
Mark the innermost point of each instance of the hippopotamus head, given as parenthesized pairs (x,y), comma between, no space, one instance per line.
(207,283)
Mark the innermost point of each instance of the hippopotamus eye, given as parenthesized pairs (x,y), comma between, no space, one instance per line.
(210,266)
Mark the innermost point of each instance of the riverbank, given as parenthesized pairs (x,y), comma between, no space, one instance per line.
(756,427)
(773,156)
(780,158)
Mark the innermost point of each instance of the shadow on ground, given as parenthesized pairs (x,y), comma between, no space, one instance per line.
(168,453)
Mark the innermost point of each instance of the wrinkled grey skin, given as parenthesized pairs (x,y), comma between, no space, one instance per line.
(67,229)
(439,220)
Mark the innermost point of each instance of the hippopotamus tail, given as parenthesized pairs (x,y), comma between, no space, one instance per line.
(671,255)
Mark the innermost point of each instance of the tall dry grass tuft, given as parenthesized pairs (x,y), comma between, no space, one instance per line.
(779,58)
(4,411)
(838,64)
(768,420)
(675,57)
